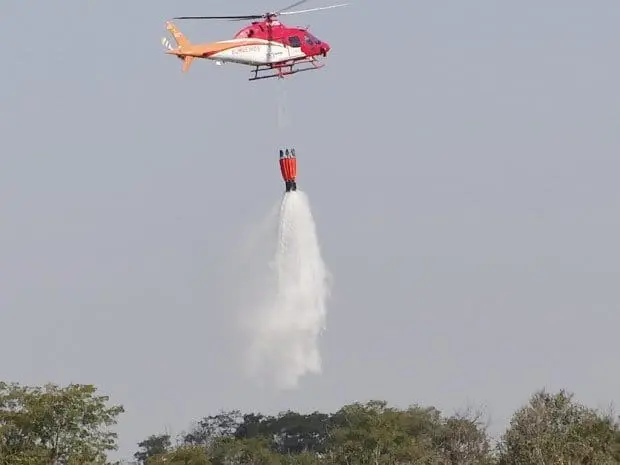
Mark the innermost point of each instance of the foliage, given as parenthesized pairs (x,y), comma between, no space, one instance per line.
(51,425)
(183,455)
(152,446)
(370,433)
(554,429)
(550,430)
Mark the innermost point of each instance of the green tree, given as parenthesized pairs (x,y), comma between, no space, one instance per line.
(182,455)
(289,432)
(462,439)
(373,433)
(253,451)
(51,425)
(555,429)
(208,429)
(550,430)
(156,444)
(303,458)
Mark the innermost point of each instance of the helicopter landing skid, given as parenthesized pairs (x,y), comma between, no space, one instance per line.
(280,72)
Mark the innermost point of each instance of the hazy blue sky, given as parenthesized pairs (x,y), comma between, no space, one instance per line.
(461,159)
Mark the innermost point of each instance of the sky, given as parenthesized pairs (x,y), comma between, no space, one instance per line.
(461,160)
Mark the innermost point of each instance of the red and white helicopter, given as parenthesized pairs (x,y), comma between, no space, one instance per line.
(267,45)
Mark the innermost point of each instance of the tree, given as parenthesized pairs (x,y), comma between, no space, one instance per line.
(462,439)
(51,425)
(555,429)
(152,446)
(296,433)
(288,433)
(183,455)
(373,433)
(550,430)
(222,425)
(253,451)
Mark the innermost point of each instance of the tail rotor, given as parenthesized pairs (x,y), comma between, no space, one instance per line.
(166,43)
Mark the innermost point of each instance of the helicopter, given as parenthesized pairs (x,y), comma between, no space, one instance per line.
(266,44)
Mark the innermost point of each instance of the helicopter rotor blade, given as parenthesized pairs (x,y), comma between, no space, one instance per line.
(313,9)
(282,11)
(292,5)
(238,18)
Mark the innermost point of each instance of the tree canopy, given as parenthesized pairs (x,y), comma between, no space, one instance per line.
(51,425)
(551,429)
(72,425)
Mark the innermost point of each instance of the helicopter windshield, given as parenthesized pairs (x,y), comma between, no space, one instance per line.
(311,40)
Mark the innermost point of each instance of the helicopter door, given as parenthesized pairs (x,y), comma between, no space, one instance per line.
(296,47)
(294,41)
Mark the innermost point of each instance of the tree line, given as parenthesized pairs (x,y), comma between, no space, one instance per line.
(73,425)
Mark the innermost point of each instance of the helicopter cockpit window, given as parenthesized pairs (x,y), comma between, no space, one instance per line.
(311,40)
(294,41)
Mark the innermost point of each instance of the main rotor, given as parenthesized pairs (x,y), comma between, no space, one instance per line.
(269,16)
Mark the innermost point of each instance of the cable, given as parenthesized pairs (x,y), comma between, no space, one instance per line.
(283,114)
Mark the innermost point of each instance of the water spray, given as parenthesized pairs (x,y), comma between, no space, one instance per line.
(284,325)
